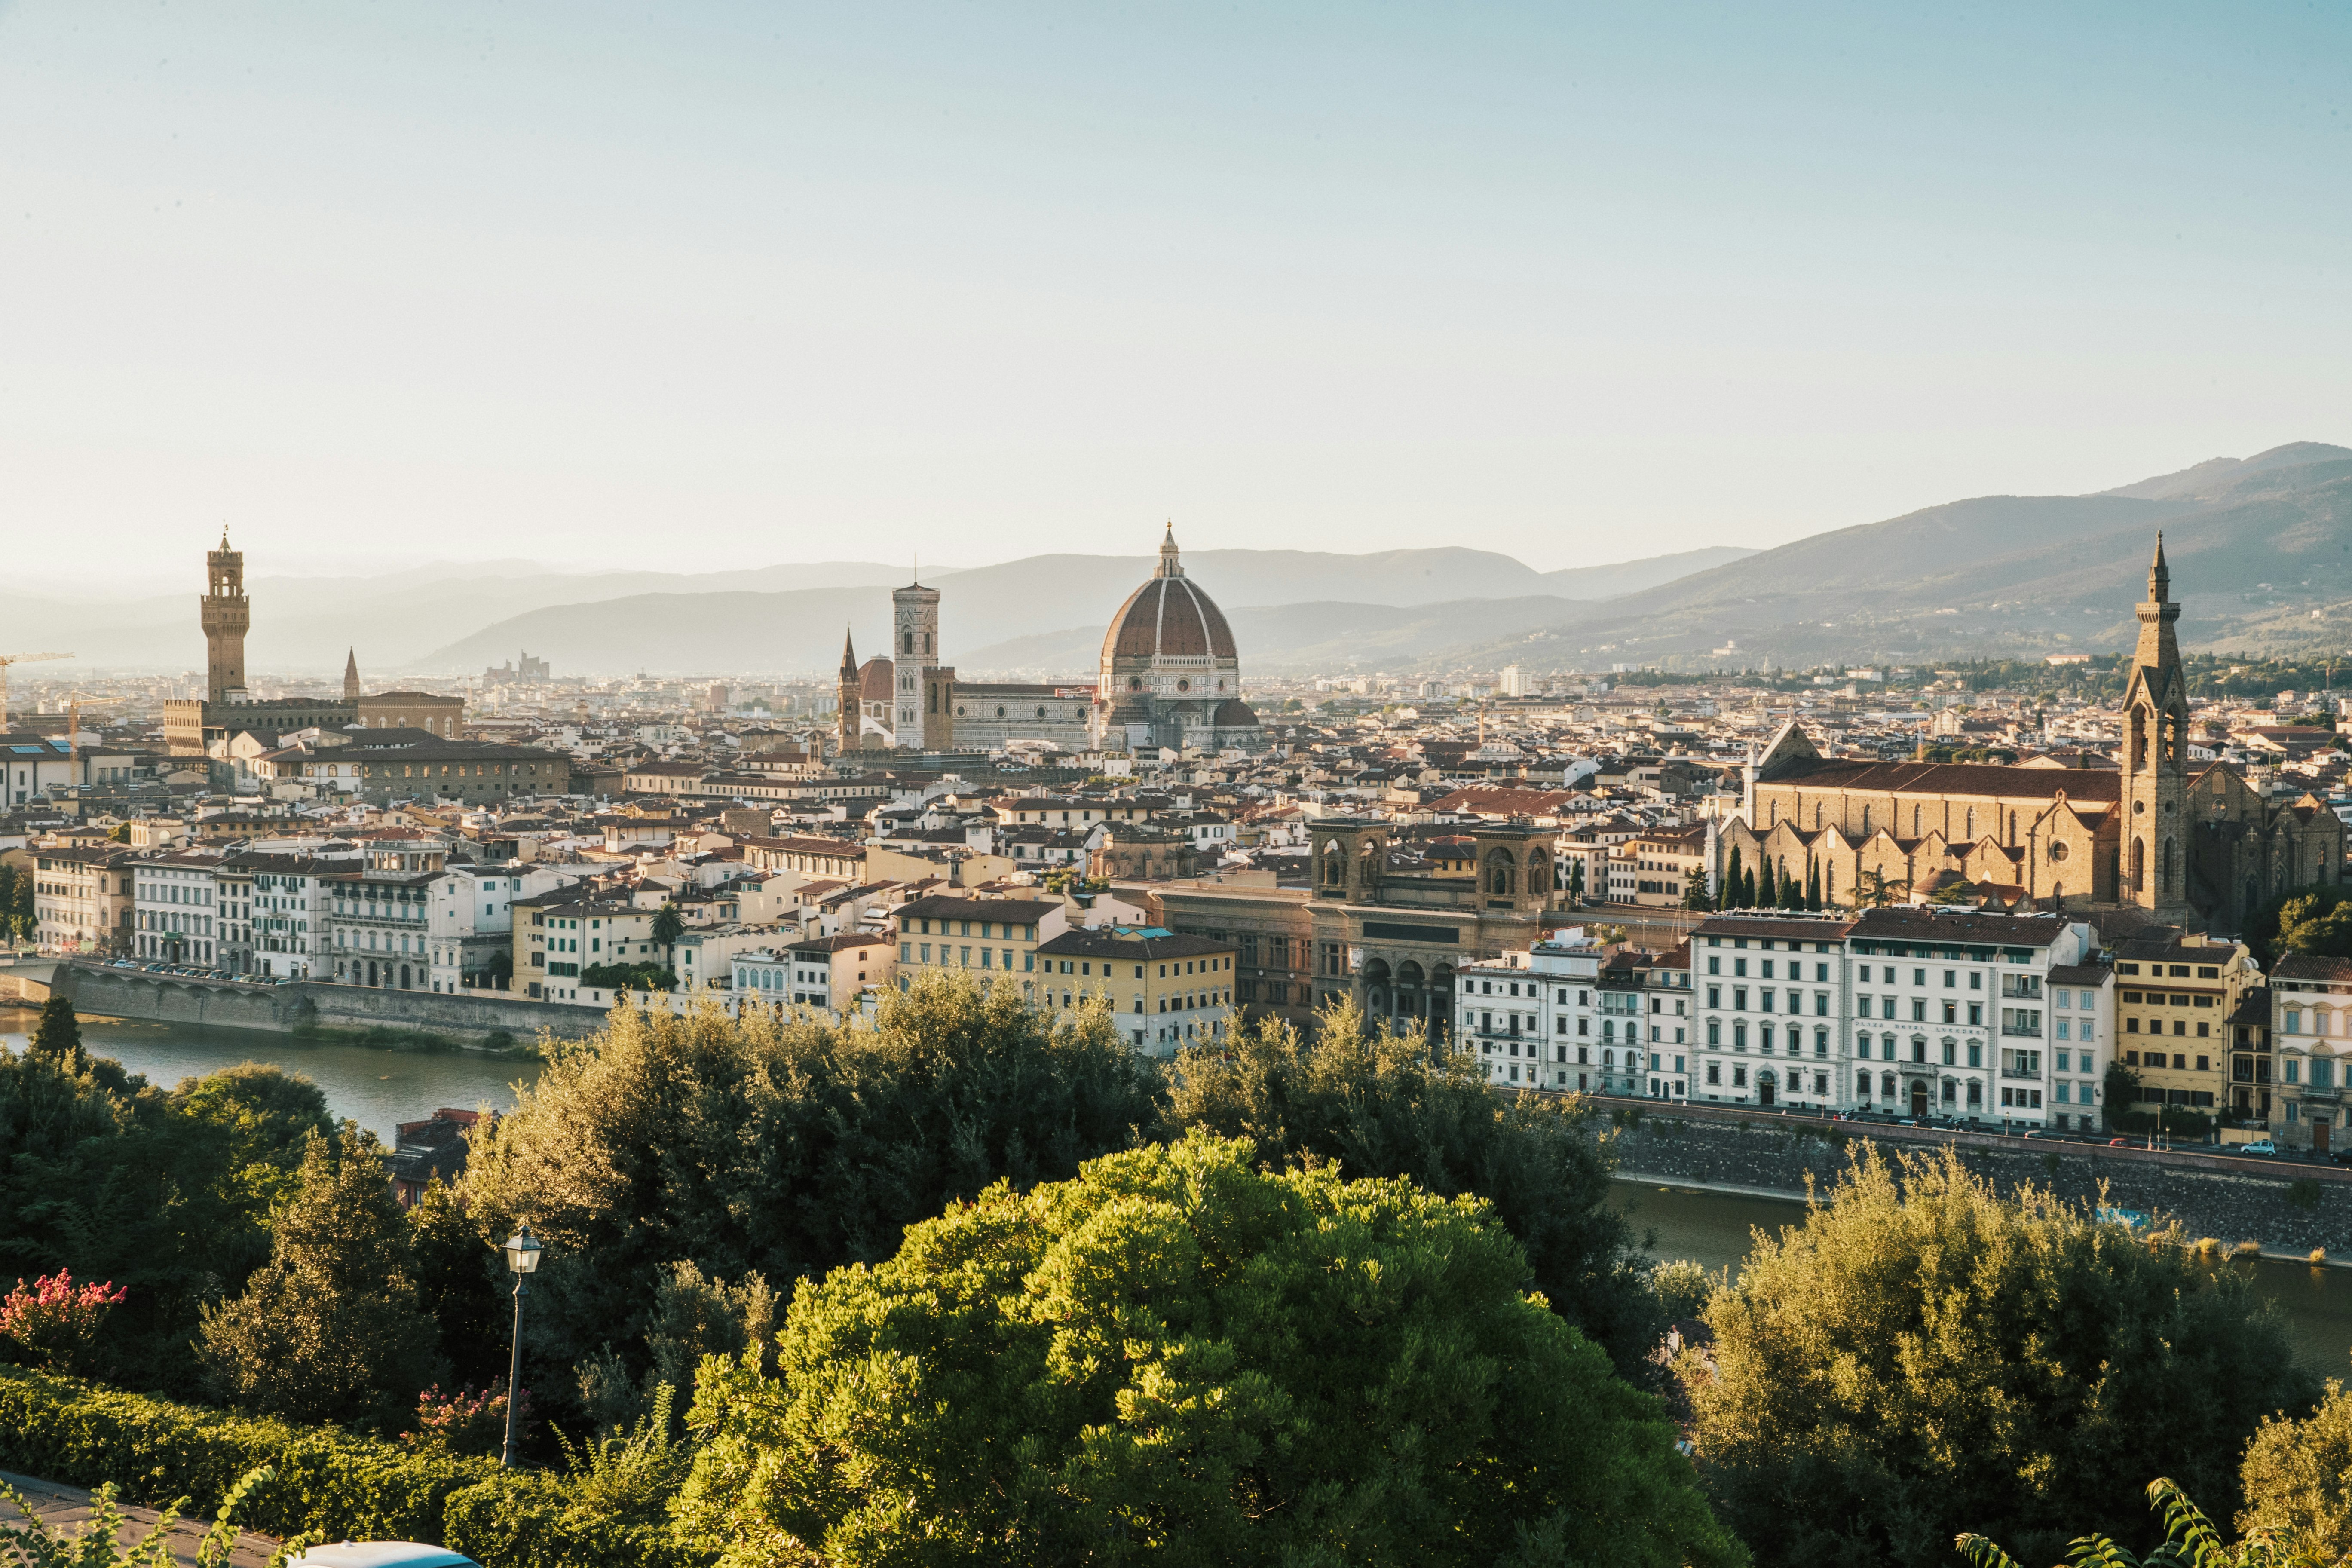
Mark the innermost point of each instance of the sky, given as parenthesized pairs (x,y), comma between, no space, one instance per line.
(687,285)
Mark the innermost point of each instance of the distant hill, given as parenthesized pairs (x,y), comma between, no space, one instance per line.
(990,618)
(2256,546)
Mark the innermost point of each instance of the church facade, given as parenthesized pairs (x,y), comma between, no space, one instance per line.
(2195,848)
(1170,676)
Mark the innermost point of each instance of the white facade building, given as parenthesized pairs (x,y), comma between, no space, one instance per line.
(176,915)
(470,917)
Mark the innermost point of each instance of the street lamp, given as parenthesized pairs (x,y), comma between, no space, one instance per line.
(522,1250)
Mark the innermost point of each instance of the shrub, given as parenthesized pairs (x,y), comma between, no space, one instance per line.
(321,1481)
(57,1323)
(325,1480)
(467,1422)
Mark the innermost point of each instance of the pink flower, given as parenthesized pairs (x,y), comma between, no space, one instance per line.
(57,1321)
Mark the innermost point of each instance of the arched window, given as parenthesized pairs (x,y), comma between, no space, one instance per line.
(927,643)
(2013,829)
(910,642)
(2171,868)
(2138,863)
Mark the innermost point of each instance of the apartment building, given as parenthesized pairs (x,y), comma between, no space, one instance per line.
(983,936)
(1666,1013)
(290,902)
(1768,997)
(2311,1033)
(1657,869)
(2176,994)
(835,973)
(84,901)
(1165,991)
(1961,1019)
(470,920)
(177,916)
(559,933)
(2082,1041)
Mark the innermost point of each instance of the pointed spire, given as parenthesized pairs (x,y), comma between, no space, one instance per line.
(352,676)
(1169,566)
(2160,575)
(848,654)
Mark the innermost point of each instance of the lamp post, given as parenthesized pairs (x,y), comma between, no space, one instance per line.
(522,1250)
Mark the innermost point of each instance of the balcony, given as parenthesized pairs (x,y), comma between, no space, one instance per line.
(2022,1073)
(2330,1094)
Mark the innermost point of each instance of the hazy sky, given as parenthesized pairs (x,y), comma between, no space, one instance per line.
(686,285)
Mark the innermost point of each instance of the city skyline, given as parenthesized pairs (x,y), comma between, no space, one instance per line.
(368,289)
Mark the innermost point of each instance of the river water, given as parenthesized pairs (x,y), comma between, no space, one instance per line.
(377,1089)
(1714,1230)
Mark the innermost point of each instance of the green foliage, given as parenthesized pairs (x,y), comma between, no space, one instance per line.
(785,1147)
(2318,923)
(643,976)
(1924,1355)
(2297,1481)
(163,1194)
(324,1481)
(1383,1104)
(2189,1541)
(629,1476)
(265,1118)
(1176,1357)
(668,925)
(57,1035)
(332,1327)
(462,1281)
(2120,1088)
(1682,1289)
(2267,928)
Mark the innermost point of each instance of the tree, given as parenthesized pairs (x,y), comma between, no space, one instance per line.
(668,926)
(57,1035)
(1748,888)
(1813,884)
(1178,1357)
(461,1281)
(784,1146)
(642,976)
(2119,1091)
(2297,1481)
(1695,895)
(2266,927)
(1923,1354)
(1732,898)
(332,1327)
(164,1193)
(1379,1103)
(1576,880)
(2318,923)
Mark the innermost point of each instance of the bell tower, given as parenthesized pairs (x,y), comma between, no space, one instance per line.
(849,739)
(226,614)
(921,721)
(2155,841)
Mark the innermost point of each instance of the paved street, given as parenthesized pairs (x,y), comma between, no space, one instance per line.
(67,1506)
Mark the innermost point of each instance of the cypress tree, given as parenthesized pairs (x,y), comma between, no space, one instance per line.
(1731,899)
(59,1035)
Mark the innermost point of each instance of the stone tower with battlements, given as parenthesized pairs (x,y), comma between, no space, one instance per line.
(227,614)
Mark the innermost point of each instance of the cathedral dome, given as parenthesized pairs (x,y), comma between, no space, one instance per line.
(877,680)
(1167,618)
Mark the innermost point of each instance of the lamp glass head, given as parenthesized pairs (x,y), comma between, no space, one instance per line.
(522,1250)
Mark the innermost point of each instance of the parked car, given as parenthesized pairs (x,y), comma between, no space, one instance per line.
(379,1554)
(2259,1146)
(2119,1143)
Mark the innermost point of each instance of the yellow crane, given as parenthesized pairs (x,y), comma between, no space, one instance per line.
(8,658)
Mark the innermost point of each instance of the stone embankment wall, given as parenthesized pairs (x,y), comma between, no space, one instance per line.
(314,1006)
(2288,1209)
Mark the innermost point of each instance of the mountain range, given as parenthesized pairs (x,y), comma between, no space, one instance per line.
(2261,551)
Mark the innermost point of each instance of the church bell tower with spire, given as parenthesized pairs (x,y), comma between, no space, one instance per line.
(2155,843)
(848,739)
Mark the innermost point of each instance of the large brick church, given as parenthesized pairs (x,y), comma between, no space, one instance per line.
(2198,848)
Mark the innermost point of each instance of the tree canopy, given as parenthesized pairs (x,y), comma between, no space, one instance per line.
(1385,1104)
(1179,1358)
(1924,1356)
(784,1147)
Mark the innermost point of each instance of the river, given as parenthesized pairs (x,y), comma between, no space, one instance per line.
(1712,1229)
(377,1089)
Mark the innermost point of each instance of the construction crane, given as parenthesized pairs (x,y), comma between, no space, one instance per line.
(8,658)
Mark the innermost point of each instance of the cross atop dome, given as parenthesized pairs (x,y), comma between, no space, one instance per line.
(1169,566)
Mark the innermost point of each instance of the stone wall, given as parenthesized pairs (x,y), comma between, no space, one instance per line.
(2289,1211)
(315,1004)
